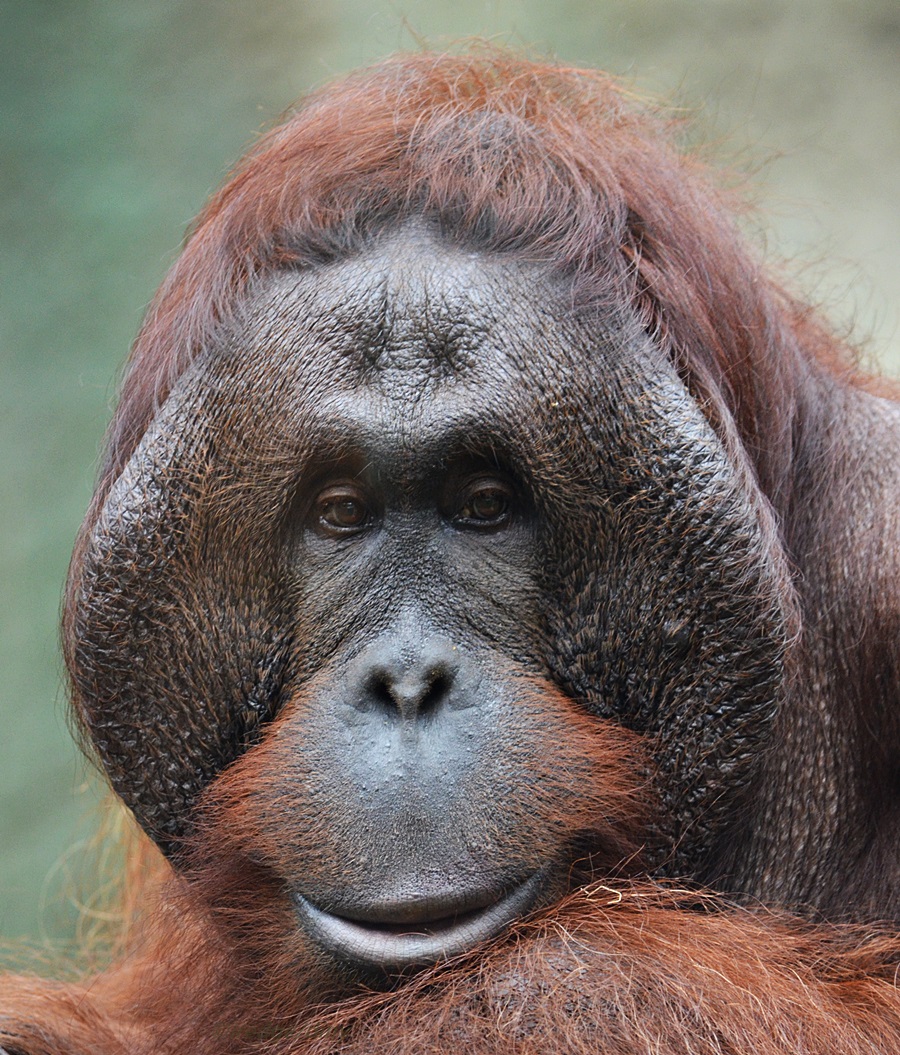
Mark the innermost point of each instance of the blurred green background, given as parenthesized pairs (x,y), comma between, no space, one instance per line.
(117,117)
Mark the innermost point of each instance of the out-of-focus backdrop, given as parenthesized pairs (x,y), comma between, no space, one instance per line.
(117,117)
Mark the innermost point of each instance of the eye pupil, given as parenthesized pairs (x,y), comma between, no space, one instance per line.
(344,512)
(488,505)
(485,507)
(338,512)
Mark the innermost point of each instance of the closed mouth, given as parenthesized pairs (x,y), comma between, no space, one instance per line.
(401,935)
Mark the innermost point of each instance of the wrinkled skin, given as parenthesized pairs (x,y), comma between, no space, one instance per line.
(427,533)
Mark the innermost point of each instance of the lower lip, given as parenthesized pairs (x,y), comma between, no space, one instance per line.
(368,944)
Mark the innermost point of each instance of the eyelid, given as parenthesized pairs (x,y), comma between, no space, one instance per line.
(340,490)
(485,482)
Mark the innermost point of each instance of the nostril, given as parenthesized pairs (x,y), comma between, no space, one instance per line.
(410,691)
(379,690)
(436,690)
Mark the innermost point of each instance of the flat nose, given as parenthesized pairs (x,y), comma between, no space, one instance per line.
(411,682)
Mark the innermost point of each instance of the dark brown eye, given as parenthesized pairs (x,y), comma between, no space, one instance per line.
(340,511)
(485,506)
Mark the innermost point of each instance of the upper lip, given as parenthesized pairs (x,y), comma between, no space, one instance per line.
(416,931)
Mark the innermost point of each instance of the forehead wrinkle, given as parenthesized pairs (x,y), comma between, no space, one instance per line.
(413,317)
(429,324)
(412,305)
